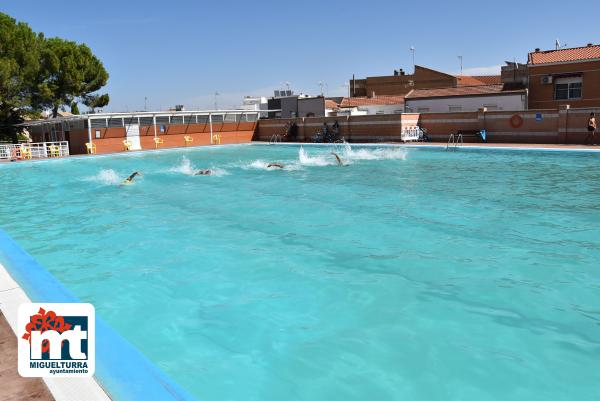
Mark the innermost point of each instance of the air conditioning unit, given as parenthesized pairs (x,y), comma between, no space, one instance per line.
(546,79)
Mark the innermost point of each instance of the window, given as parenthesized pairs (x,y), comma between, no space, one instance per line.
(568,88)
(491,107)
(98,135)
(423,109)
(163,128)
(453,109)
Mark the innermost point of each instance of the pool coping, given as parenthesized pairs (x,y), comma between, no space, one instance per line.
(440,145)
(11,296)
(123,373)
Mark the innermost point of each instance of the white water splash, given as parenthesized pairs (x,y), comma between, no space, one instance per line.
(185,166)
(375,154)
(316,160)
(106,177)
(263,165)
(218,172)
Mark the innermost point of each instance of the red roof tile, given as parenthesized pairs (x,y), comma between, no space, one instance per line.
(565,55)
(366,101)
(471,80)
(330,104)
(459,91)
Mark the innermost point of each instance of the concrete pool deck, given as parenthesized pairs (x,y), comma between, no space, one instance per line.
(13,386)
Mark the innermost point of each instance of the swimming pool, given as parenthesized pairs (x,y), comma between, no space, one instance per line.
(409,274)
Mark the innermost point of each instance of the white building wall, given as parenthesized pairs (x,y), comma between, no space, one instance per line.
(511,102)
(382,108)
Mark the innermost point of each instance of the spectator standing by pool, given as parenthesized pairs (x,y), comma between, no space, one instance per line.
(591,126)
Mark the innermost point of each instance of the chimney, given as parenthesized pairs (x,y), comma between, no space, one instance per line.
(590,44)
(402,72)
(537,49)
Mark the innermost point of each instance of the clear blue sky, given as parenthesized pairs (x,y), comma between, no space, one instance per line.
(181,52)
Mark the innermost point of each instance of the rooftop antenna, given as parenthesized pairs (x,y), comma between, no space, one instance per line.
(216,103)
(412,50)
(287,84)
(321,85)
(145,103)
(461,65)
(557,44)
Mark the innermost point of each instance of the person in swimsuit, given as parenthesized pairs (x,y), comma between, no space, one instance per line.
(339,159)
(203,172)
(591,127)
(129,180)
(278,165)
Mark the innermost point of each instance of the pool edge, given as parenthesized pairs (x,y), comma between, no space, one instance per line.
(122,371)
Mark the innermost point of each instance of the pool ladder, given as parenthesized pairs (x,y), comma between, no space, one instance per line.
(454,141)
(275,138)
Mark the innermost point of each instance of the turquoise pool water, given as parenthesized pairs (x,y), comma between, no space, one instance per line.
(413,274)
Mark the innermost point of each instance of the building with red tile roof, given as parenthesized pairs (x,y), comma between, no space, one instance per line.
(574,54)
(372,101)
(466,80)
(562,77)
(465,98)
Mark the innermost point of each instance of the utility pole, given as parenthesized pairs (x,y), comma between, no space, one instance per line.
(461,64)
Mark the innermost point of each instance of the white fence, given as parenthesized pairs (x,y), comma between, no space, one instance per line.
(411,134)
(37,150)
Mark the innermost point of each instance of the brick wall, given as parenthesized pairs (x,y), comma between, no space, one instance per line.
(541,96)
(111,139)
(567,126)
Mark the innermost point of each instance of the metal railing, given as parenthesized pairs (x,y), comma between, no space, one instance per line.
(411,134)
(454,141)
(36,150)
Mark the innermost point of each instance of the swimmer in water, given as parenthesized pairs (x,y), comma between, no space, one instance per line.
(278,165)
(129,180)
(203,172)
(339,159)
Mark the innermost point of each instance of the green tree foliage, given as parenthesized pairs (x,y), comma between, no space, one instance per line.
(69,72)
(19,70)
(37,73)
(96,101)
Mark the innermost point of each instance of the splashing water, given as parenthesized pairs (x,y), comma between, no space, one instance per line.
(256,164)
(185,166)
(318,160)
(375,154)
(218,172)
(262,165)
(106,177)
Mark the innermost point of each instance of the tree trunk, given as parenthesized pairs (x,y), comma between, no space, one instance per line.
(55,112)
